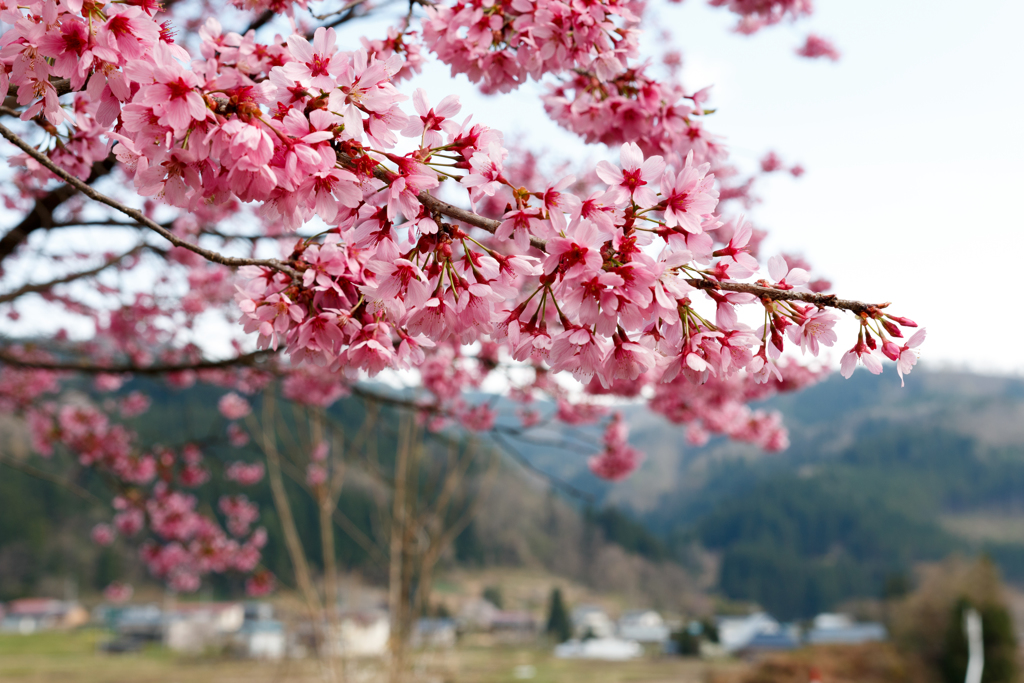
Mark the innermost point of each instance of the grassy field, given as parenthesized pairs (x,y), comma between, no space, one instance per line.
(75,658)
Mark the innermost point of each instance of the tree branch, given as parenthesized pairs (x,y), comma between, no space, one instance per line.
(819,300)
(245,359)
(41,215)
(46,476)
(44,286)
(763,292)
(61,85)
(550,478)
(140,217)
(259,21)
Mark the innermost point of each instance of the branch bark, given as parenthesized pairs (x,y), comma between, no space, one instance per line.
(44,286)
(41,215)
(245,359)
(281,502)
(61,85)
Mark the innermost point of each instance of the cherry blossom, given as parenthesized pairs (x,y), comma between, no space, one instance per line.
(342,230)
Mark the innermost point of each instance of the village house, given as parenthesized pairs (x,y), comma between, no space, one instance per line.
(31,615)
(643,626)
(197,626)
(362,634)
(590,621)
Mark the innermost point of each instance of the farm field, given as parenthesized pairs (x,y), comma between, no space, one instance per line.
(75,657)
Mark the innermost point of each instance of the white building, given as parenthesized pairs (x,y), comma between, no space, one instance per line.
(30,615)
(260,639)
(611,649)
(362,634)
(477,615)
(197,626)
(643,626)
(734,633)
(436,633)
(590,621)
(842,629)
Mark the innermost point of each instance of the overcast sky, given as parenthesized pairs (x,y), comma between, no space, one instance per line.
(912,142)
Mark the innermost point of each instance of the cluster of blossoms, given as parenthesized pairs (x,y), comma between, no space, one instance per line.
(619,459)
(500,44)
(181,543)
(756,14)
(602,286)
(630,278)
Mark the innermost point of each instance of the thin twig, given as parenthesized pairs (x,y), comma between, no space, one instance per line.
(555,481)
(46,476)
(244,359)
(763,292)
(44,286)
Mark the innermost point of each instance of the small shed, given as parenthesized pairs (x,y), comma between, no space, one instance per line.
(198,626)
(611,649)
(141,622)
(260,639)
(362,634)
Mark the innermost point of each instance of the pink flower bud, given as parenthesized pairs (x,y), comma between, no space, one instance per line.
(103,534)
(892,329)
(906,322)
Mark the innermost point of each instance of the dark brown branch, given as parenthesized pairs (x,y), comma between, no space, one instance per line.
(41,215)
(772,294)
(140,217)
(110,223)
(247,359)
(490,225)
(44,286)
(260,21)
(61,85)
(348,7)
(760,291)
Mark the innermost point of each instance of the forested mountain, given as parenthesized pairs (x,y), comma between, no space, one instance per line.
(50,506)
(877,478)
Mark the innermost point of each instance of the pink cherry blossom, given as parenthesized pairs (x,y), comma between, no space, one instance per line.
(233,407)
(635,179)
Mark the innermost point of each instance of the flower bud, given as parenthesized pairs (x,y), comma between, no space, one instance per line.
(906,322)
(892,329)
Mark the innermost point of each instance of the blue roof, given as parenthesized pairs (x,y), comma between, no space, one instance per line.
(858,633)
(771,641)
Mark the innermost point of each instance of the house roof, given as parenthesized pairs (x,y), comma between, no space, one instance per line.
(29,607)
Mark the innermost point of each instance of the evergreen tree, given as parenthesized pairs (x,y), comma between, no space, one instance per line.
(558,618)
(999,644)
(492,594)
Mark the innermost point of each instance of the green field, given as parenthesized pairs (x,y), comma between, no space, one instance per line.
(75,658)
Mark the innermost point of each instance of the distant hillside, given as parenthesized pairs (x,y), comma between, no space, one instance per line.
(44,530)
(877,478)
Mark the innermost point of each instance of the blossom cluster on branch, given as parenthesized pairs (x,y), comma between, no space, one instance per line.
(634,278)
